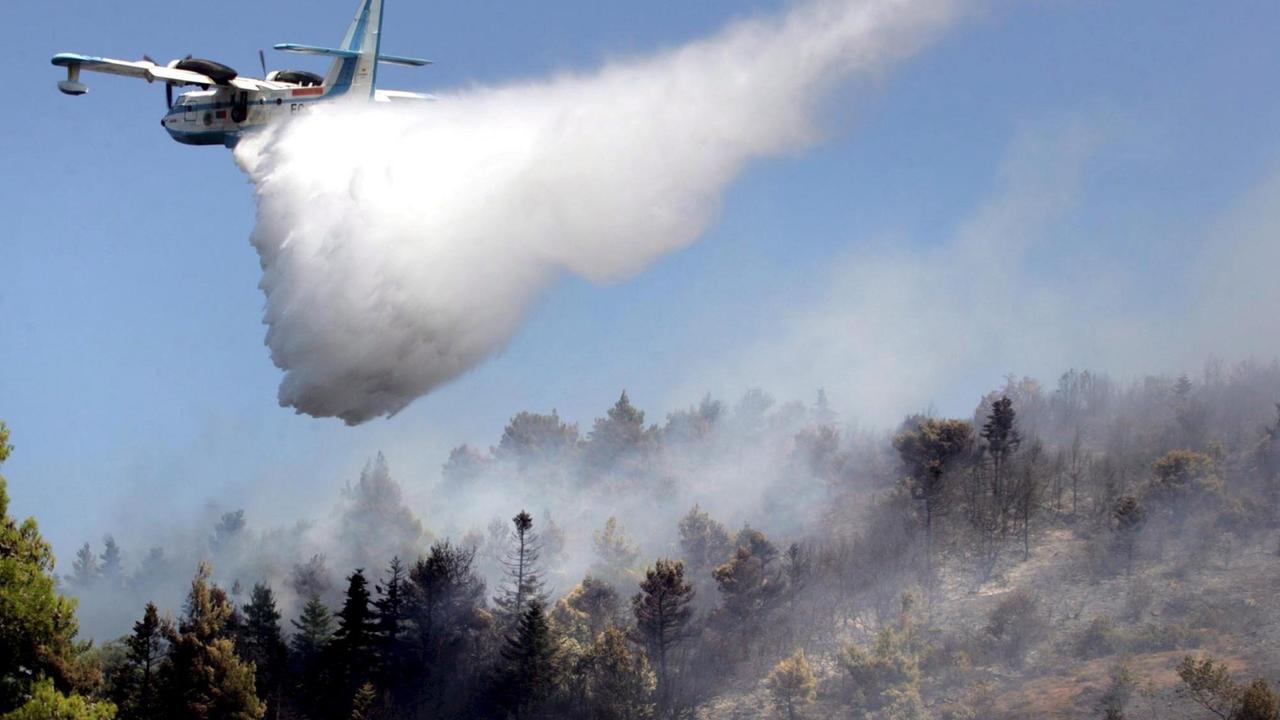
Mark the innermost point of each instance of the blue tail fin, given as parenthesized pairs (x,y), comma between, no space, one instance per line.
(357,75)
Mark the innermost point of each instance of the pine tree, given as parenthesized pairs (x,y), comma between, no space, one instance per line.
(228,531)
(1129,516)
(588,609)
(311,579)
(263,645)
(928,450)
(448,623)
(390,642)
(311,644)
(620,684)
(528,674)
(314,629)
(619,435)
(1003,439)
(662,611)
(533,438)
(201,676)
(111,570)
(524,578)
(363,702)
(750,590)
(138,692)
(705,544)
(1115,699)
(792,685)
(617,555)
(354,643)
(37,624)
(822,412)
(85,571)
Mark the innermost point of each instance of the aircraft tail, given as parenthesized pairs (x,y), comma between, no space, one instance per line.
(356,74)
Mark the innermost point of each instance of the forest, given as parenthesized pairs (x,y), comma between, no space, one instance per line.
(1085,548)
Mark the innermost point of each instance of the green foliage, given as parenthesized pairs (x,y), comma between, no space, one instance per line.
(1182,468)
(704,543)
(523,574)
(1258,702)
(1129,516)
(904,703)
(85,571)
(588,609)
(362,704)
(1115,699)
(1016,625)
(392,645)
(262,644)
(46,703)
(876,678)
(618,436)
(528,675)
(620,685)
(1099,639)
(663,610)
(928,449)
(202,677)
(792,686)
(616,553)
(314,629)
(137,689)
(448,620)
(354,641)
(37,624)
(531,438)
(1000,430)
(1209,684)
(1184,481)
(751,589)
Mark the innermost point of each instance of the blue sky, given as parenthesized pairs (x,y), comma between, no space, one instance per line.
(132,367)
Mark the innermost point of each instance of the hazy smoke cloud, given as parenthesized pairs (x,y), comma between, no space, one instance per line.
(401,246)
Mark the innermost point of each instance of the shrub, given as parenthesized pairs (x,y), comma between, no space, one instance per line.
(871,675)
(1098,639)
(1016,624)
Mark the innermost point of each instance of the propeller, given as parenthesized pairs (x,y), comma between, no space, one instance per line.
(262,58)
(168,87)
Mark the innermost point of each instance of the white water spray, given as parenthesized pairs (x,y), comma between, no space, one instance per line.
(401,246)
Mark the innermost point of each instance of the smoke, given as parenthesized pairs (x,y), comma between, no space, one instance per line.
(900,324)
(401,246)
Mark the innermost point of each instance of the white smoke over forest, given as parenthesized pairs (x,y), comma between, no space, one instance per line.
(402,246)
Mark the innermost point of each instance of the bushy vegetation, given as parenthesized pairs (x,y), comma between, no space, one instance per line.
(926,573)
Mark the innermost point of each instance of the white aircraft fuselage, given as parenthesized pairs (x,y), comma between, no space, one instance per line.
(226,106)
(209,117)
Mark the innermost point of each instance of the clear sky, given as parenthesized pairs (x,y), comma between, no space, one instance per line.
(1127,138)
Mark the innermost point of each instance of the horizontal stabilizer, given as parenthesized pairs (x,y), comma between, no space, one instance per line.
(401,60)
(317,50)
(339,53)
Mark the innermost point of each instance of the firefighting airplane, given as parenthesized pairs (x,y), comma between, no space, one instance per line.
(227,105)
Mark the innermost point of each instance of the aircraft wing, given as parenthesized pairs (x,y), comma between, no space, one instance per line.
(144,69)
(149,71)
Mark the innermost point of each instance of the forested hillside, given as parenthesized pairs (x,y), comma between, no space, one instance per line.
(1091,548)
